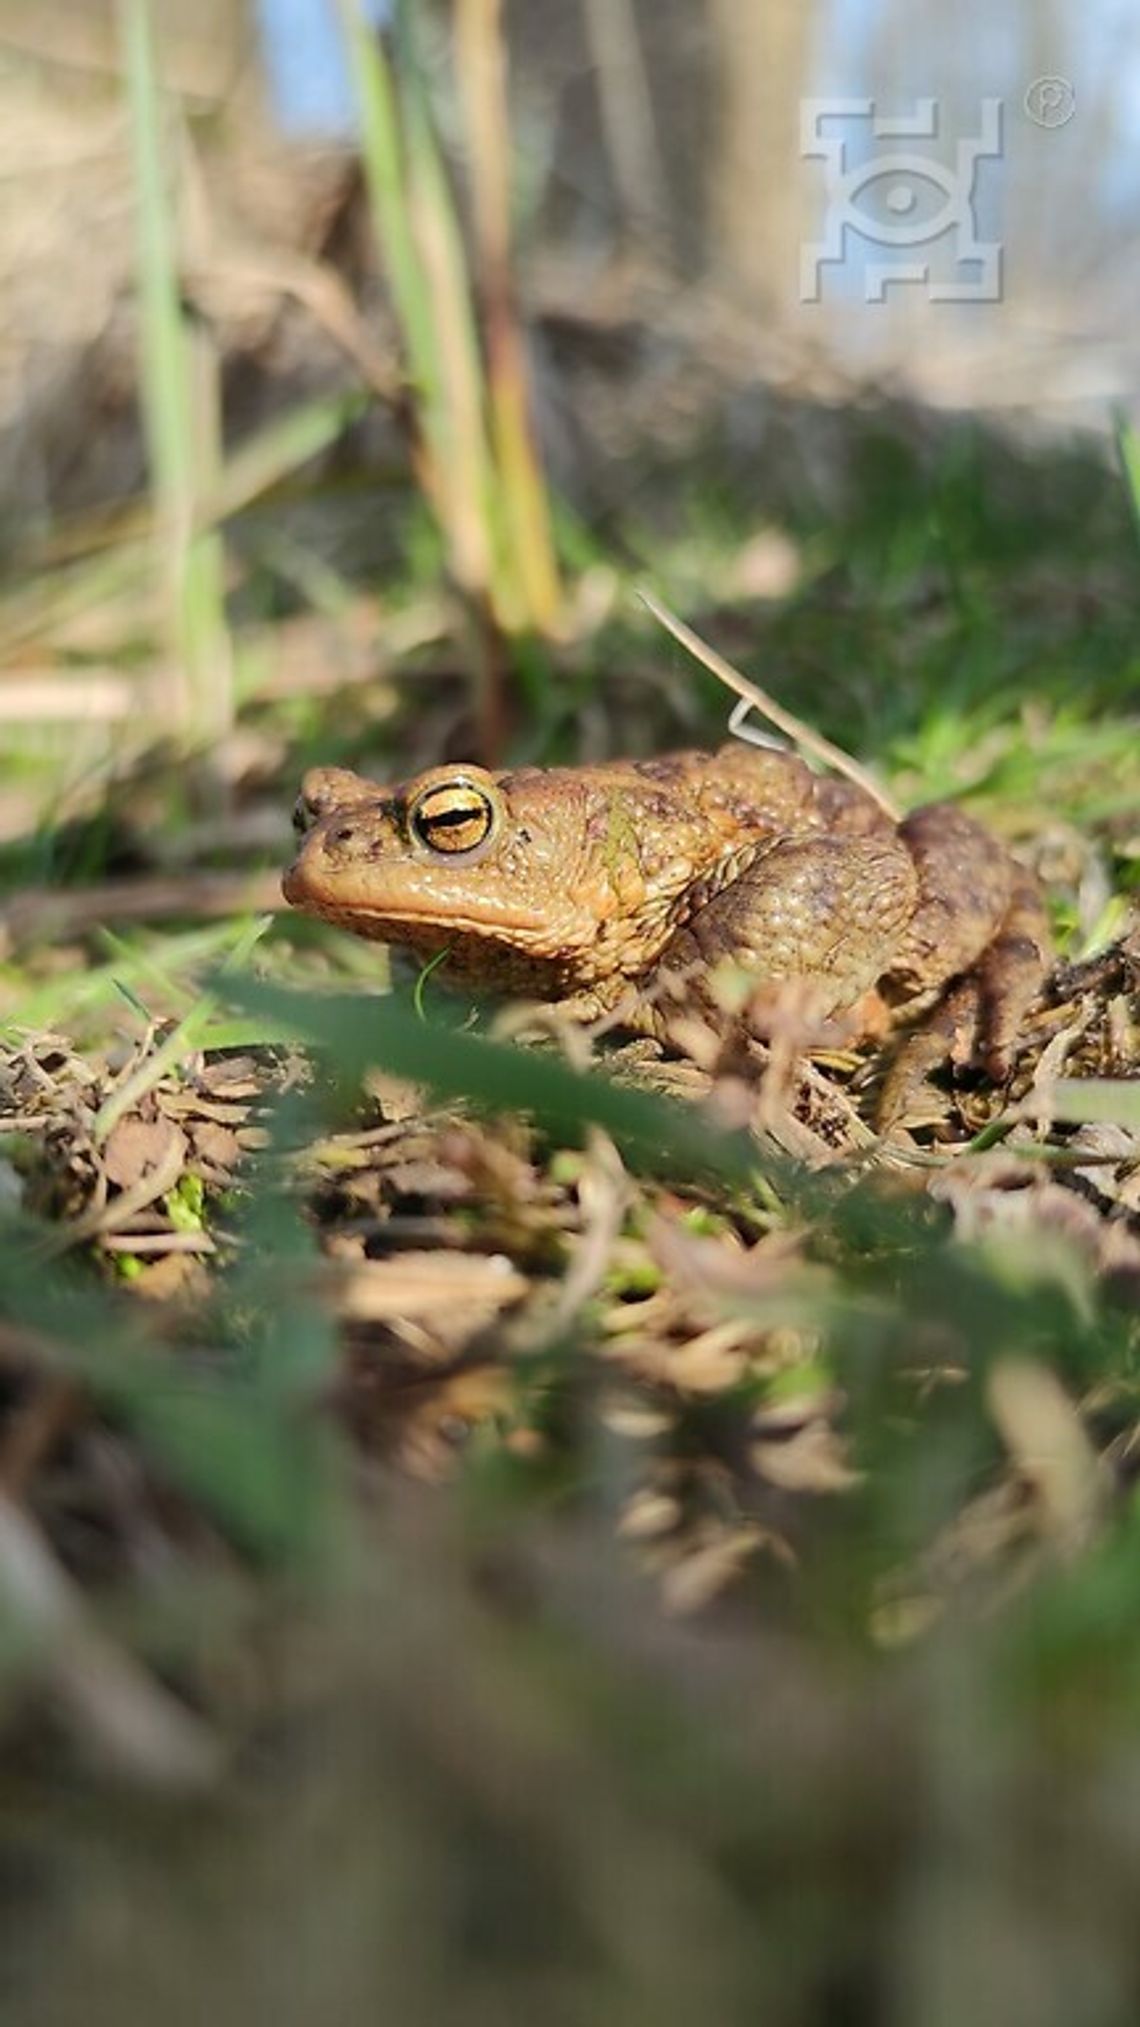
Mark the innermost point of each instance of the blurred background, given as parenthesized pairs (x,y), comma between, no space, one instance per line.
(278,322)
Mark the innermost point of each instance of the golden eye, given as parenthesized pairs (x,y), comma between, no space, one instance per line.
(452,816)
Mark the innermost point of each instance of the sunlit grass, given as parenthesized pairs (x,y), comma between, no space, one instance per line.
(473,439)
(1128,446)
(153,975)
(181,403)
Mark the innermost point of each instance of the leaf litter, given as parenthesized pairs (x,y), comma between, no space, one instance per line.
(497,1295)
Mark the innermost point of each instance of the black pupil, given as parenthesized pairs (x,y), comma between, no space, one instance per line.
(455,826)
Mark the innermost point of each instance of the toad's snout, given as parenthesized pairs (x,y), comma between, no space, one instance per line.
(335,845)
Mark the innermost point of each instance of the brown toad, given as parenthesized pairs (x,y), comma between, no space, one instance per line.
(638,885)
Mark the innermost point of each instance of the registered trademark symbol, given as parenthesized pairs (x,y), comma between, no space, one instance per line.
(1050,101)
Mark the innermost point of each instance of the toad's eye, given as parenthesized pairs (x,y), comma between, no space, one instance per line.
(452,816)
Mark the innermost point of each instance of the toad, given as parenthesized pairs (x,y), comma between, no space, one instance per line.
(632,888)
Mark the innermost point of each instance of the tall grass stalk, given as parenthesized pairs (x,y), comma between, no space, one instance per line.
(431,307)
(1128,448)
(180,405)
(462,419)
(477,460)
(482,67)
(399,212)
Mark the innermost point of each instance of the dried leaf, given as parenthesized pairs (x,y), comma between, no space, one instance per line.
(814,1459)
(136,1147)
(694,1582)
(1044,1434)
(440,1285)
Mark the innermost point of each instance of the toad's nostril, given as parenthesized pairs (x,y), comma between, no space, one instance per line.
(344,835)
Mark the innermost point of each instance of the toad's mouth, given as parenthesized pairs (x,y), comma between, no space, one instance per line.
(393,915)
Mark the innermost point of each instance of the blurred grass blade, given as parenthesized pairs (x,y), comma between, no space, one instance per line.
(1097,1100)
(386,179)
(356,1034)
(179,403)
(385,176)
(230,1434)
(1128,447)
(33,611)
(121,550)
(82,990)
(479,467)
(479,552)
(421,253)
(461,424)
(263,460)
(482,65)
(625,103)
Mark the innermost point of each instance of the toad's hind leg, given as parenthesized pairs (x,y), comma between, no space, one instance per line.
(965,886)
(1010,972)
(981,933)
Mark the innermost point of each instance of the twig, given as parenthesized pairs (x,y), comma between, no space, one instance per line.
(47,912)
(36,698)
(812,742)
(148,1244)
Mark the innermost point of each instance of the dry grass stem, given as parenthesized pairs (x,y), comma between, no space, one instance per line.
(742,686)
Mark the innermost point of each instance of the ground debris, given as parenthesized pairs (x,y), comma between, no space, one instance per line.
(490,1289)
(110,1143)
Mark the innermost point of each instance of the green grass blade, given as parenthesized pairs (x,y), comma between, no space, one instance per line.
(460,423)
(1100,1100)
(526,535)
(179,401)
(356,1033)
(381,150)
(36,610)
(1128,447)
